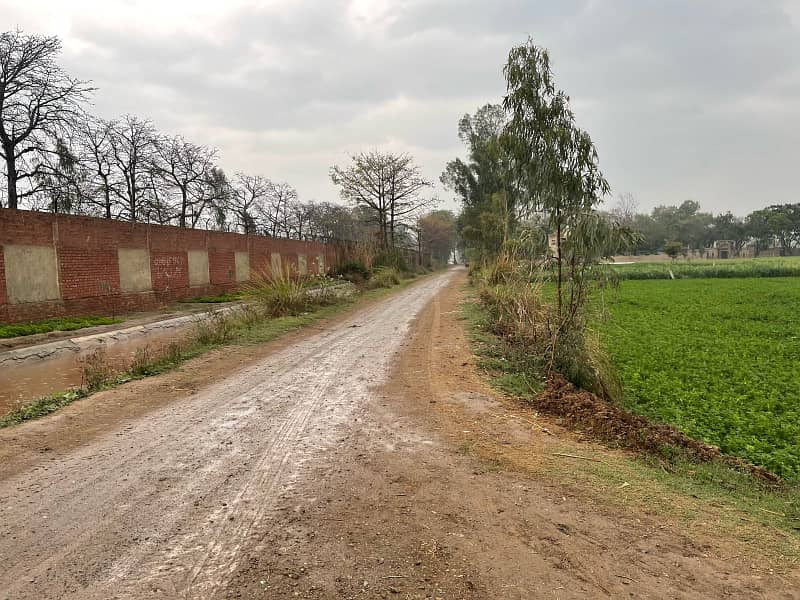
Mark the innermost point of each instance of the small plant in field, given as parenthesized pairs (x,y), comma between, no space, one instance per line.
(95,370)
(674,249)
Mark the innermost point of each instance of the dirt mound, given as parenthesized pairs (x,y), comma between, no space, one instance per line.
(612,424)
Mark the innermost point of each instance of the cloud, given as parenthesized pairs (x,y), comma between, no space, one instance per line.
(690,98)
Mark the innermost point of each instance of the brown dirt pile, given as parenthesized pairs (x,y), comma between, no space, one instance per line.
(603,420)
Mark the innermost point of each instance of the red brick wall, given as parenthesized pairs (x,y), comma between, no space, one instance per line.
(88,266)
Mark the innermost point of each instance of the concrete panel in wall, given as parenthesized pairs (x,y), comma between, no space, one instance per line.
(198,267)
(134,270)
(242,260)
(302,266)
(31,273)
(275,263)
(321,264)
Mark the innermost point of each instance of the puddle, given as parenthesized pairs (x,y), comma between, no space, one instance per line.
(34,378)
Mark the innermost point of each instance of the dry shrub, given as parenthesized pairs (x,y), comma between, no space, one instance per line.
(530,324)
(363,252)
(142,361)
(217,328)
(95,370)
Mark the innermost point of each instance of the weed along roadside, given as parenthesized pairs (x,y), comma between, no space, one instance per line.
(272,308)
(654,456)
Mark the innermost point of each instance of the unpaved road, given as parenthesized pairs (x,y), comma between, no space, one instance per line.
(365,460)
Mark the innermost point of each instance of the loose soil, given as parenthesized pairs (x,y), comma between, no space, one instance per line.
(368,459)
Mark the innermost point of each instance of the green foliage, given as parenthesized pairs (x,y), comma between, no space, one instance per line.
(226,297)
(524,316)
(41,407)
(437,234)
(392,258)
(717,269)
(674,249)
(384,277)
(353,271)
(715,358)
(48,325)
(483,183)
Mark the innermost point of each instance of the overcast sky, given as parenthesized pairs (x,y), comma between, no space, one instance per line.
(685,99)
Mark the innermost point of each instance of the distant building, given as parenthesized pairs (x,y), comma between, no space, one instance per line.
(724,249)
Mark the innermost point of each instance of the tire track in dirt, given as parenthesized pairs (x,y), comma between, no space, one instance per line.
(160,507)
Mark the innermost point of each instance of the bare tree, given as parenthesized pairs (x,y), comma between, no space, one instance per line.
(185,167)
(624,210)
(97,156)
(38,101)
(388,184)
(132,147)
(277,210)
(248,200)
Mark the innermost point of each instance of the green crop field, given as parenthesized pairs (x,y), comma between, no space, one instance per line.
(730,268)
(719,358)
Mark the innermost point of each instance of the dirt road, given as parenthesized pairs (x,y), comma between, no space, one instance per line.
(340,463)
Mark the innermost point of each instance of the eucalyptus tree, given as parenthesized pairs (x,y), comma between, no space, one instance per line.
(555,159)
(62,183)
(38,103)
(485,182)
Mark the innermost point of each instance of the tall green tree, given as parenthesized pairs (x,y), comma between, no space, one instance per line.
(436,232)
(484,182)
(556,160)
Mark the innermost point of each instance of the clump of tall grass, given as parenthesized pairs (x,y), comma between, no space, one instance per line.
(279,295)
(95,370)
(522,312)
(383,277)
(215,329)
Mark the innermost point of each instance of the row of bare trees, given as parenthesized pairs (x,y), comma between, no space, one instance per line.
(57,157)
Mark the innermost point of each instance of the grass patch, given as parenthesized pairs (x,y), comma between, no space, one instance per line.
(712,269)
(220,298)
(48,325)
(715,358)
(510,369)
(43,406)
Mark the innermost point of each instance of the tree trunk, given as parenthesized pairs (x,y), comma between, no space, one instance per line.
(11,177)
(184,206)
(558,258)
